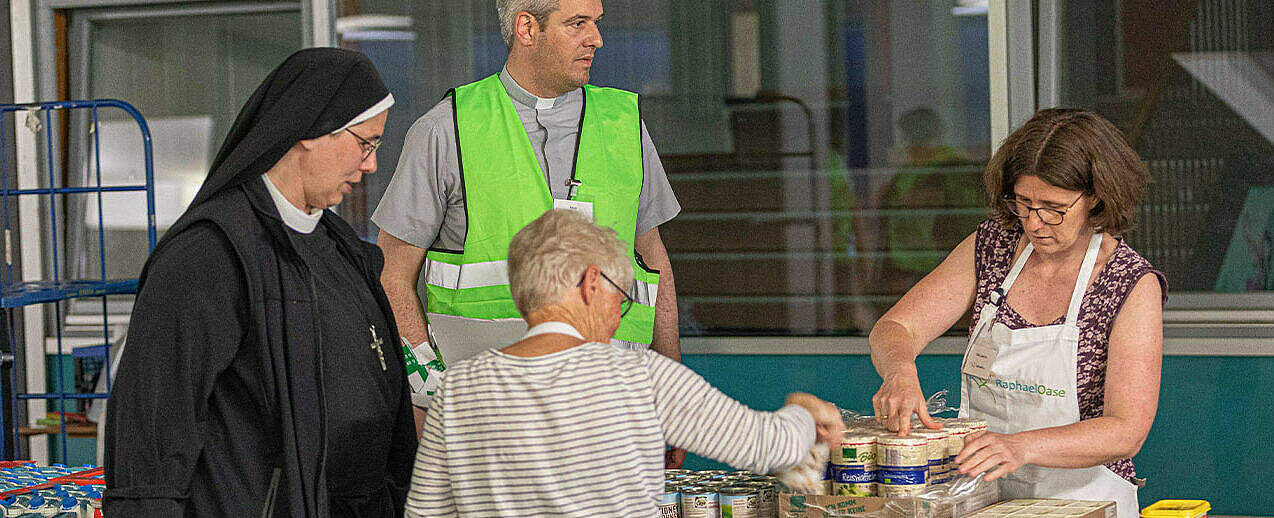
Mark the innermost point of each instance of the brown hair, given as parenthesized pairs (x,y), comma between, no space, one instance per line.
(1076,150)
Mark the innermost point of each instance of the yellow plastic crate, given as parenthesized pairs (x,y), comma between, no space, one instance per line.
(1177,509)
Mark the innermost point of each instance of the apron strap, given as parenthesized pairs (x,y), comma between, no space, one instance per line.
(996,297)
(1081,282)
(1012,276)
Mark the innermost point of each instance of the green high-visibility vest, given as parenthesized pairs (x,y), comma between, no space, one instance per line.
(505,189)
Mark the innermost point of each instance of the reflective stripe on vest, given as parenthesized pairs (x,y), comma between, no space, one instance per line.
(496,273)
(505,189)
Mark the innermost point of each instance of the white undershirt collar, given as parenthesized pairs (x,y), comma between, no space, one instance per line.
(295,218)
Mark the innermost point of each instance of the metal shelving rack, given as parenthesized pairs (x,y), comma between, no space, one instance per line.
(54,291)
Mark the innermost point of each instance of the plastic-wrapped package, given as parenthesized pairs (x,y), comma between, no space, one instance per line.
(963,495)
(936,404)
(949,498)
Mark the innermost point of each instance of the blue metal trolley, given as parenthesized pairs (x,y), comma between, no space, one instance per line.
(53,291)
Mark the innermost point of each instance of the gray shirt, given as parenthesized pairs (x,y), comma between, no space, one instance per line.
(424,203)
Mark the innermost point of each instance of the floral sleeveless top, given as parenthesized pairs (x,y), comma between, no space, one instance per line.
(993,257)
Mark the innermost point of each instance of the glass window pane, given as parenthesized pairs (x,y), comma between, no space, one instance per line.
(188,76)
(1189,84)
(826,154)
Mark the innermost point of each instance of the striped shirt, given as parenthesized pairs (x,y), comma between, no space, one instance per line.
(581,432)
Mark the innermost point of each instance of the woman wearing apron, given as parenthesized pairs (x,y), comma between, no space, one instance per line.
(1064,352)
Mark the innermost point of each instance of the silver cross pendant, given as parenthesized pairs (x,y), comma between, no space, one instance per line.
(376,343)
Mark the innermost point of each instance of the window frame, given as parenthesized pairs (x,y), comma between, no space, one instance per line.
(1186,315)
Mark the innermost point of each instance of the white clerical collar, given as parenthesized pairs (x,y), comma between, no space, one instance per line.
(523,96)
(295,218)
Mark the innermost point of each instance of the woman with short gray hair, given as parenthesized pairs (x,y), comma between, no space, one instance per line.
(562,423)
(546,259)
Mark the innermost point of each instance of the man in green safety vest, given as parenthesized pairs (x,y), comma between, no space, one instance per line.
(494,155)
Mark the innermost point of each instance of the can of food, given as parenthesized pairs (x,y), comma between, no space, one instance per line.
(712,484)
(769,502)
(974,424)
(740,502)
(956,432)
(936,445)
(700,502)
(902,462)
(670,502)
(853,480)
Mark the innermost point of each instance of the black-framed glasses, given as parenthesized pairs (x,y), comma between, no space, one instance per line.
(368,146)
(625,304)
(1049,216)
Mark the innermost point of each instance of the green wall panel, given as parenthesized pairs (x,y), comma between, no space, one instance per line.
(1211,439)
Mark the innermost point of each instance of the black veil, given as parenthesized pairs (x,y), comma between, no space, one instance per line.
(312,93)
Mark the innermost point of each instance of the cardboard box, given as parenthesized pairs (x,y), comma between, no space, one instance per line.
(808,506)
(1049,508)
(811,506)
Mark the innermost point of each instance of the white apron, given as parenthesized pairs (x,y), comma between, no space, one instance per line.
(1032,386)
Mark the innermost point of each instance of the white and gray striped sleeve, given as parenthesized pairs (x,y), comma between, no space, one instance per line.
(701,419)
(430,493)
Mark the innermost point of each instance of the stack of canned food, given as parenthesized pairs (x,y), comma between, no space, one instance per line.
(718,494)
(872,461)
(28,490)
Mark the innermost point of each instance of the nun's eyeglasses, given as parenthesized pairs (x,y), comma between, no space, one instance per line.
(368,146)
(624,305)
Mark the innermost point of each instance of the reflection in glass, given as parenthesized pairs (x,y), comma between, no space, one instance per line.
(826,154)
(1190,86)
(188,75)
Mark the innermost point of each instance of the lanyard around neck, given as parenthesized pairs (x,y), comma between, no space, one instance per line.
(561,328)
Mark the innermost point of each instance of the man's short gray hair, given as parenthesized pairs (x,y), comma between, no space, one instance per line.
(507,11)
(549,255)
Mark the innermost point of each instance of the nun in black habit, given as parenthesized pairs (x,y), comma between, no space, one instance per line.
(261,376)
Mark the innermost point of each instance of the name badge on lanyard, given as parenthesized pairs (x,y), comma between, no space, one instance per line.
(584,208)
(982,350)
(981,356)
